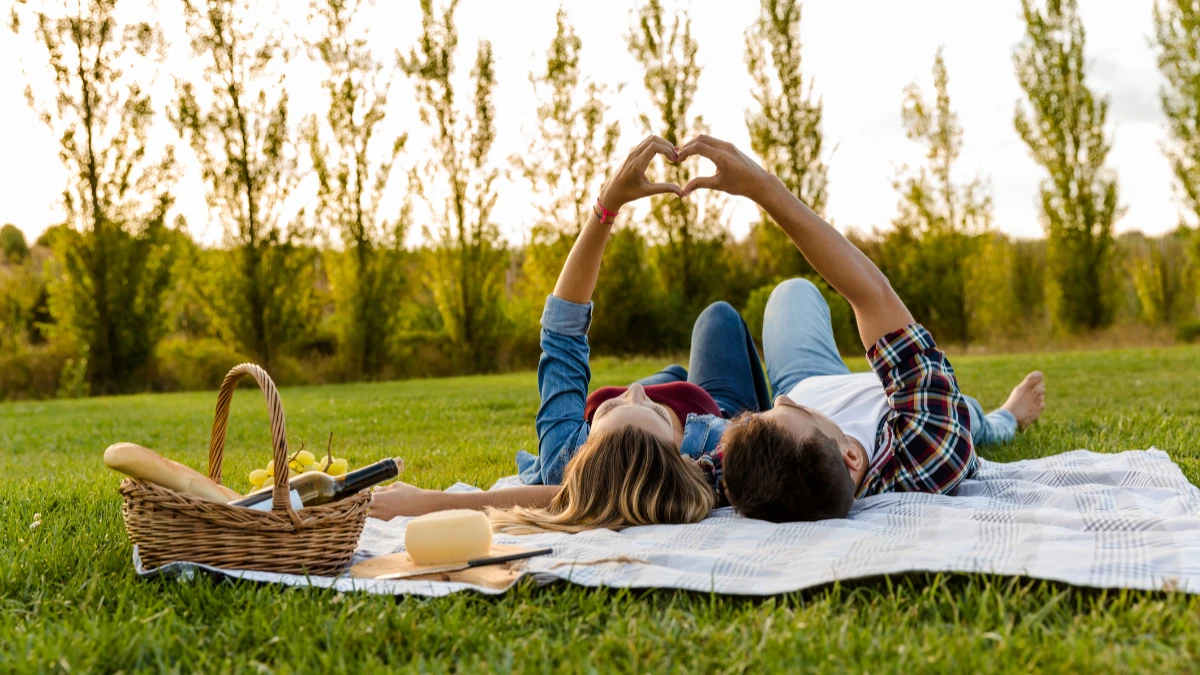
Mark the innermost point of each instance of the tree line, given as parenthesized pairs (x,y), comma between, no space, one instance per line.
(119,297)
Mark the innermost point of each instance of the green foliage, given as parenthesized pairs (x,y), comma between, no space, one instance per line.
(114,268)
(566,164)
(71,599)
(693,230)
(1177,36)
(239,129)
(934,246)
(1164,278)
(841,315)
(632,313)
(183,364)
(457,182)
(1188,331)
(12,244)
(366,284)
(1062,122)
(785,130)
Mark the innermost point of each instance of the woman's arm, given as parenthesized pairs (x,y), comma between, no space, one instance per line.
(578,277)
(402,499)
(877,308)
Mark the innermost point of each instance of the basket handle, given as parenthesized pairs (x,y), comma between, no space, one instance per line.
(216,449)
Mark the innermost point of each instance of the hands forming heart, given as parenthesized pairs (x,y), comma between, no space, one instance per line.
(736,173)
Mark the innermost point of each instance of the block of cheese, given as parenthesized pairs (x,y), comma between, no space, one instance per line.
(448,536)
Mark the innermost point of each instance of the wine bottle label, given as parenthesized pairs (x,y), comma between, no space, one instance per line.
(265,505)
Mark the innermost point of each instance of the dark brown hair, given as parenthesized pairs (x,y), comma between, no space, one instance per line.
(770,474)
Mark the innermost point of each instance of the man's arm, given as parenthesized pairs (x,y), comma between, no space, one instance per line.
(877,308)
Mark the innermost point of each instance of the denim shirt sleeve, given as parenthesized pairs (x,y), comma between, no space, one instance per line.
(563,379)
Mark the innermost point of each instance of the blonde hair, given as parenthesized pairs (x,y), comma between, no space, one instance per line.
(617,479)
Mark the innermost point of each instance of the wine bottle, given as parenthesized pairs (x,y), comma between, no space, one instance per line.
(315,487)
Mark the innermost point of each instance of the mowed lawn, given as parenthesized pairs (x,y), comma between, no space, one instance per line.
(71,602)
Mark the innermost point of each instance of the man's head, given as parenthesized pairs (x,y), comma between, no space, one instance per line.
(791,464)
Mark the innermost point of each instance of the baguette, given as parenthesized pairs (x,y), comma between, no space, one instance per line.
(146,465)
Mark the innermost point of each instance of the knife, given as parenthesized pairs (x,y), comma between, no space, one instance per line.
(456,567)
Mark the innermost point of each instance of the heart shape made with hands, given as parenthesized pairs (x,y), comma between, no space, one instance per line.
(630,182)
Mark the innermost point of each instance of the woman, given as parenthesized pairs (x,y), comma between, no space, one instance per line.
(621,456)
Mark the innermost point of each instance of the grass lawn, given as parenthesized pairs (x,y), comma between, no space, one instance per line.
(70,599)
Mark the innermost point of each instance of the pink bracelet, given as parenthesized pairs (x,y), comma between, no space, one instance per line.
(604,214)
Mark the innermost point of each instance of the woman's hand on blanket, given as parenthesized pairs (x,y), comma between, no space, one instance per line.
(736,174)
(629,182)
(402,499)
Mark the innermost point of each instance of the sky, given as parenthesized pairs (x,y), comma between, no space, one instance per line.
(860,56)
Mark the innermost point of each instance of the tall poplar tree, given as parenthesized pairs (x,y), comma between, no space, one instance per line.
(457,181)
(237,122)
(1177,36)
(567,162)
(935,233)
(1062,122)
(785,129)
(353,161)
(115,262)
(694,230)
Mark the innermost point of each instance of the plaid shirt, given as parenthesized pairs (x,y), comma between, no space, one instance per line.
(925,440)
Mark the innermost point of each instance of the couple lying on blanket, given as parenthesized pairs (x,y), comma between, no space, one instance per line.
(671,447)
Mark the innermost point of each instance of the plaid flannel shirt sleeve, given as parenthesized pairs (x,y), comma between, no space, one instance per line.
(925,439)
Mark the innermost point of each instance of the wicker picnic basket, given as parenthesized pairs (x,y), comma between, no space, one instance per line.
(169,526)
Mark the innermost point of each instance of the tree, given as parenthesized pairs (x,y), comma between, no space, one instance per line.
(12,243)
(117,194)
(693,228)
(568,160)
(1177,33)
(785,130)
(1062,122)
(352,173)
(1164,279)
(239,130)
(938,220)
(468,261)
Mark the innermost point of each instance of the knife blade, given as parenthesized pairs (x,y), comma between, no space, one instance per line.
(456,567)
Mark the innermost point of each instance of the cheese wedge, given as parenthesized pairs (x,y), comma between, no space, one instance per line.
(448,536)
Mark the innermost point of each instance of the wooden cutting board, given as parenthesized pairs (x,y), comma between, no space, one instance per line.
(489,576)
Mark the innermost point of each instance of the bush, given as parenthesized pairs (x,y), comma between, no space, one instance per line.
(1188,331)
(845,333)
(36,371)
(182,364)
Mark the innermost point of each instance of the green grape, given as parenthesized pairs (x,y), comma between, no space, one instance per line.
(338,467)
(257,477)
(305,458)
(271,468)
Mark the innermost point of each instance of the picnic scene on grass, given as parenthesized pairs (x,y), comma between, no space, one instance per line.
(461,422)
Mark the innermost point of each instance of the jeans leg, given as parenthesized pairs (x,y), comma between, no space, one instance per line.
(724,361)
(672,373)
(798,336)
(997,426)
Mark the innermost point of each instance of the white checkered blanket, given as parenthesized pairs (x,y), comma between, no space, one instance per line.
(1127,520)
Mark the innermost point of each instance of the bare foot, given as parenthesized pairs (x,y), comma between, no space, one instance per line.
(1027,400)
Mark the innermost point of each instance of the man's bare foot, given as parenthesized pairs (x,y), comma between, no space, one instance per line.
(1027,400)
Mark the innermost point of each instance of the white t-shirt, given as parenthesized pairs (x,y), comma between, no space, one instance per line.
(856,402)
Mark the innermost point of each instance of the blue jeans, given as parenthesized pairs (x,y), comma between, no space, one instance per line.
(798,343)
(723,362)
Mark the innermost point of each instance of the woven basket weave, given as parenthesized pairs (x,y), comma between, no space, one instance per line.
(170,526)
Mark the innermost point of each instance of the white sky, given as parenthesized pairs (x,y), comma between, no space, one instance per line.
(860,54)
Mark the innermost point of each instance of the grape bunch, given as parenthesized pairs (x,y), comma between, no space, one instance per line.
(301,462)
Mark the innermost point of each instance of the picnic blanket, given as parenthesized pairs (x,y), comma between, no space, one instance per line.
(1127,520)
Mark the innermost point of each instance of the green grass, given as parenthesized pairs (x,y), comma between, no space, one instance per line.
(70,599)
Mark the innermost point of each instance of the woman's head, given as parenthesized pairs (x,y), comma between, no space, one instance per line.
(619,478)
(634,409)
